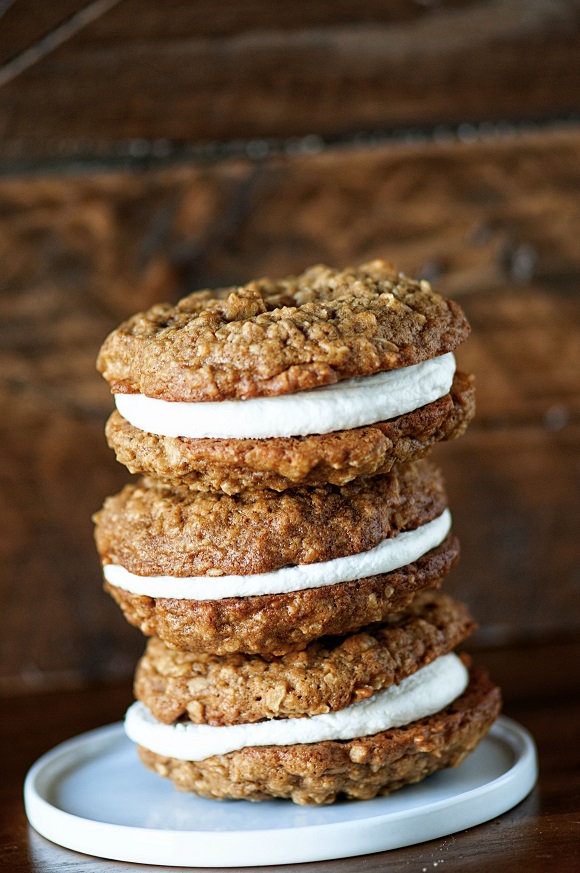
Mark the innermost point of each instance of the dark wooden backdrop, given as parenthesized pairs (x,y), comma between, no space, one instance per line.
(148,149)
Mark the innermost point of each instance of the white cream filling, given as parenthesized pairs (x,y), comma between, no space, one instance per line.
(389,555)
(343,405)
(423,693)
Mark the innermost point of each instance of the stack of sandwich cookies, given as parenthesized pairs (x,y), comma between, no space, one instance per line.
(283,546)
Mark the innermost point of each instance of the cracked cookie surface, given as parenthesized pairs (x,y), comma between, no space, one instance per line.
(273,337)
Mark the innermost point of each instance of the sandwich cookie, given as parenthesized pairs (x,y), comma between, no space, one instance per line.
(313,357)
(357,716)
(398,735)
(266,573)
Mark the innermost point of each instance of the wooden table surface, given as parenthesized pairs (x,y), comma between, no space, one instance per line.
(542,833)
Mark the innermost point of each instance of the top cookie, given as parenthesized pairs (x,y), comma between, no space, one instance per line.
(274,337)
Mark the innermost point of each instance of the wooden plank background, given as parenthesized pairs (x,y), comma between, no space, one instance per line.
(491,216)
(196,72)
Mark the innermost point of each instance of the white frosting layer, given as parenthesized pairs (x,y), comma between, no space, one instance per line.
(422,694)
(389,555)
(347,404)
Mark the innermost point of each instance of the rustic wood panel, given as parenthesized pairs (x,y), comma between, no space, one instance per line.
(191,72)
(28,20)
(515,502)
(495,224)
(25,22)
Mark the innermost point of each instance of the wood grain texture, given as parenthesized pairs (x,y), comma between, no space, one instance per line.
(540,832)
(514,497)
(191,73)
(26,21)
(494,224)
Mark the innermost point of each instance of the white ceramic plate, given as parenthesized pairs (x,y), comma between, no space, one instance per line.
(93,795)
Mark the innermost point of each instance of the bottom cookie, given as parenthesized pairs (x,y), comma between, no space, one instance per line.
(318,773)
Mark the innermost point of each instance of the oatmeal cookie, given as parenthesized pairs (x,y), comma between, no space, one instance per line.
(274,337)
(328,675)
(315,773)
(278,463)
(274,624)
(155,530)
